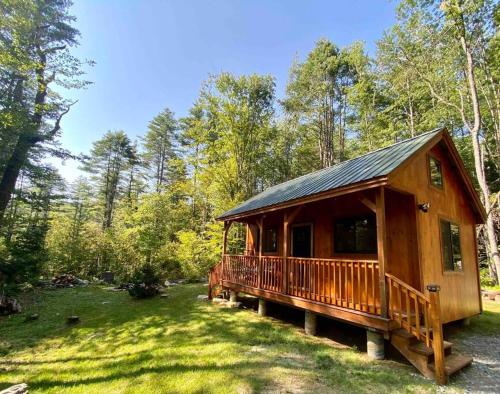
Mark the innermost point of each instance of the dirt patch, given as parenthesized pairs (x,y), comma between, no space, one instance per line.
(483,376)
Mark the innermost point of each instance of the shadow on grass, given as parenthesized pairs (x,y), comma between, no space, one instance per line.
(120,338)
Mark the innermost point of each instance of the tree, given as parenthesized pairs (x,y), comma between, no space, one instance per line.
(317,94)
(160,146)
(25,250)
(239,112)
(35,37)
(109,159)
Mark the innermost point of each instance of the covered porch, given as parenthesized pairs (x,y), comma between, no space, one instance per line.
(334,256)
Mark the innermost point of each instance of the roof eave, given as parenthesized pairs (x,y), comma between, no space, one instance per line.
(364,185)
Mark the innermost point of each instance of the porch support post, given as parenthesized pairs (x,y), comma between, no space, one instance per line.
(287,219)
(375,345)
(285,254)
(227,225)
(381,248)
(233,296)
(260,225)
(310,323)
(247,239)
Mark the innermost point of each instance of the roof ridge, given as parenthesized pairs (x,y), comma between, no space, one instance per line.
(338,174)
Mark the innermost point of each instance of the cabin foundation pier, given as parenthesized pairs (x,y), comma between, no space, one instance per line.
(262,311)
(233,296)
(310,323)
(375,345)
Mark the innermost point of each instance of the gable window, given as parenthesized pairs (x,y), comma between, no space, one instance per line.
(450,245)
(355,235)
(270,240)
(435,172)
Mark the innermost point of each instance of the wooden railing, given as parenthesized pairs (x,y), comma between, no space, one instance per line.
(271,273)
(241,269)
(410,308)
(347,283)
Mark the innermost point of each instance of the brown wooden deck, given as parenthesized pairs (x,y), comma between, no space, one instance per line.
(344,289)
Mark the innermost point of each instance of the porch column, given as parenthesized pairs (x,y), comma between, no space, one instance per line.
(381,248)
(227,225)
(285,253)
(260,225)
(287,219)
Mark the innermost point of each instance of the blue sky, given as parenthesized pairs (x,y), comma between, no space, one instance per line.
(154,54)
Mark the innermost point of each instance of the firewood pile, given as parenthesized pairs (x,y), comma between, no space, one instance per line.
(68,280)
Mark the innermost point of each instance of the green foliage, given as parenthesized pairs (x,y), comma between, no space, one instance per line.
(485,278)
(154,202)
(145,281)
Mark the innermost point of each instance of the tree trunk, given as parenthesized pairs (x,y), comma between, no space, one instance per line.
(478,157)
(11,172)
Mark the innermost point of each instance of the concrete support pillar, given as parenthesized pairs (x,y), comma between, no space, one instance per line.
(233,296)
(466,322)
(262,311)
(310,323)
(375,345)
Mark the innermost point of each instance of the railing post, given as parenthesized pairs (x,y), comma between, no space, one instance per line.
(259,272)
(437,335)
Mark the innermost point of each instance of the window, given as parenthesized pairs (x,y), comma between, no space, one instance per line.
(270,240)
(450,244)
(355,235)
(435,172)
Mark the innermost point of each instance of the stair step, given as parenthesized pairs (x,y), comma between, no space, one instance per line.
(401,332)
(422,348)
(453,363)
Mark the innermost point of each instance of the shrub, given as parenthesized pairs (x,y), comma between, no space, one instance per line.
(145,282)
(486,279)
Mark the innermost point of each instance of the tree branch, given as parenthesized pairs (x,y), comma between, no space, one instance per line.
(57,125)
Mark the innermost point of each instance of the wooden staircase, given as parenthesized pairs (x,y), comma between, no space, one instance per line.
(419,332)
(421,356)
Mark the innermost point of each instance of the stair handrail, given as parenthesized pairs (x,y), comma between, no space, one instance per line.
(431,311)
(402,315)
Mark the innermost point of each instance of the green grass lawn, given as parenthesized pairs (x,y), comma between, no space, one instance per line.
(179,344)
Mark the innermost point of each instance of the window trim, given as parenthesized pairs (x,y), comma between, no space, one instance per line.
(429,177)
(373,254)
(443,266)
(303,224)
(264,246)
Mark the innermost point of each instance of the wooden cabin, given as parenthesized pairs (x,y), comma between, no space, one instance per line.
(385,241)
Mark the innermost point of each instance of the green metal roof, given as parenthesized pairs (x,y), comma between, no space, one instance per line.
(372,165)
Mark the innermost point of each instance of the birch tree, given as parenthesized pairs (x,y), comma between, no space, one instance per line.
(441,42)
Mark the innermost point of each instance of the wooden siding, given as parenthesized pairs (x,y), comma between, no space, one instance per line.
(460,296)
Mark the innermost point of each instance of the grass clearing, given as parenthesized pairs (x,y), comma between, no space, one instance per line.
(179,344)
